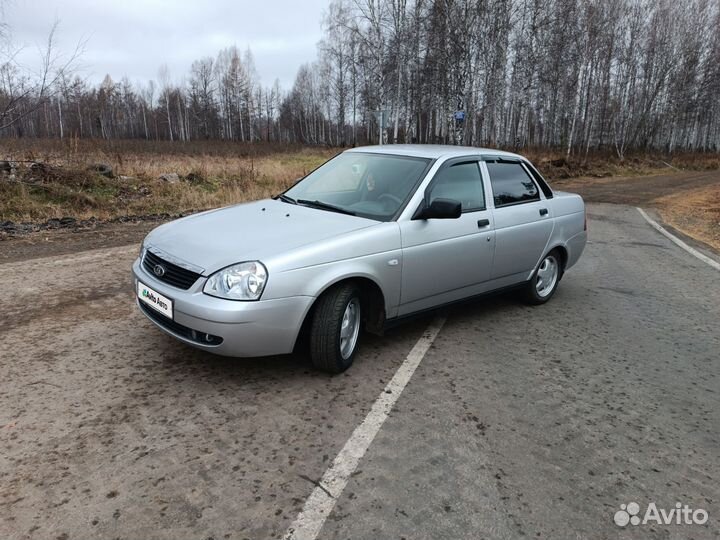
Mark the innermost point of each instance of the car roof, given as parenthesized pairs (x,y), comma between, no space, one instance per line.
(432,151)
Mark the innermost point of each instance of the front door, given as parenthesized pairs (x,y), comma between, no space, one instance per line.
(446,259)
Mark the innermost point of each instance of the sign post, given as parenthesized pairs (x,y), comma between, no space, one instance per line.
(381,117)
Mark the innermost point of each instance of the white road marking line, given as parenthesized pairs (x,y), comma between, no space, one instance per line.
(692,251)
(318,506)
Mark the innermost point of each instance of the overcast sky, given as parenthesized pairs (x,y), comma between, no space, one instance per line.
(134,37)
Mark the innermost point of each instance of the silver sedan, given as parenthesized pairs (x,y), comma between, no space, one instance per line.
(373,235)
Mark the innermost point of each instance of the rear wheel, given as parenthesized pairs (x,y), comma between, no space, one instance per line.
(544,282)
(335,328)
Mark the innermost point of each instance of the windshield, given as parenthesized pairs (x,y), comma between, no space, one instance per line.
(369,185)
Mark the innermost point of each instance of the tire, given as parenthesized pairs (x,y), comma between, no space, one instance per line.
(333,344)
(545,279)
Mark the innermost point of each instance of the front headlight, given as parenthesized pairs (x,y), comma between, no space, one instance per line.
(244,281)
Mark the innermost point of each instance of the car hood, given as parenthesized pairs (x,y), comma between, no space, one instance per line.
(252,231)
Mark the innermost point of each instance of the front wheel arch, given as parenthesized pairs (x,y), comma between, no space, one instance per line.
(372,302)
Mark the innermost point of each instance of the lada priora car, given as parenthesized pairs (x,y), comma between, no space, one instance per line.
(373,235)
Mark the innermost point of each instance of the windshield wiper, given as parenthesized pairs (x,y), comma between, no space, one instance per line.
(285,198)
(325,206)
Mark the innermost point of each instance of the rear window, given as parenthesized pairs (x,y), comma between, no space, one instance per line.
(511,184)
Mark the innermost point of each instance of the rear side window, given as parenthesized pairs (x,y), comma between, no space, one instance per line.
(539,180)
(461,182)
(511,184)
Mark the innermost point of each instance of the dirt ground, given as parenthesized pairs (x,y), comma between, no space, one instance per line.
(64,241)
(637,190)
(687,201)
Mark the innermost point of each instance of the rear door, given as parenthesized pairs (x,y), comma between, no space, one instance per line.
(444,258)
(523,218)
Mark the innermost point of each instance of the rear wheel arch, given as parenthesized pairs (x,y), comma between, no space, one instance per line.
(563,254)
(549,270)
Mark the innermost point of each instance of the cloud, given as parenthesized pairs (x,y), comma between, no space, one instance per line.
(134,38)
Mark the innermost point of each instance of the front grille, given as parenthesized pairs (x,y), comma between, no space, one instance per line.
(179,329)
(174,275)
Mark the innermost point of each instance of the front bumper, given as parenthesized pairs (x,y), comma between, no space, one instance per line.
(260,328)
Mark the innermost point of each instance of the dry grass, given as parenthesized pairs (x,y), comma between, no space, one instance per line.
(695,212)
(212,174)
(219,173)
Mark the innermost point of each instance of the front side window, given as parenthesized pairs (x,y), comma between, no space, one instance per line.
(511,184)
(369,185)
(461,182)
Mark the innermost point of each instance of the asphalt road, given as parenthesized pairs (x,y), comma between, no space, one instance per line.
(534,422)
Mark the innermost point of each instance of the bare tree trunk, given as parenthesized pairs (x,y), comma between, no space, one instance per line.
(145,122)
(60,118)
(167,109)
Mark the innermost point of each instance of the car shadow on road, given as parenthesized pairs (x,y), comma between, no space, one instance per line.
(493,304)
(377,357)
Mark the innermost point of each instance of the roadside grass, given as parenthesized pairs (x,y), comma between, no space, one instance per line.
(695,212)
(212,174)
(219,173)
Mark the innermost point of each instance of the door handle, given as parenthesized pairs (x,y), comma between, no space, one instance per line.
(543,211)
(483,223)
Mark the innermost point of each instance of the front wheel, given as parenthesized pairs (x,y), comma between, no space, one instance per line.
(544,281)
(335,328)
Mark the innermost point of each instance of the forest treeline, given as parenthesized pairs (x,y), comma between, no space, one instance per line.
(571,74)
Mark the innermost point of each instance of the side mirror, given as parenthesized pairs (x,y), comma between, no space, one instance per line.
(440,209)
